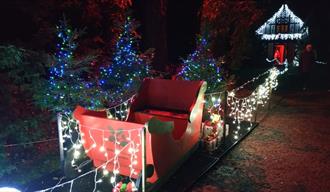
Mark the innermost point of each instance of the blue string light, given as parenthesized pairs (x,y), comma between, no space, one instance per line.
(63,56)
(66,87)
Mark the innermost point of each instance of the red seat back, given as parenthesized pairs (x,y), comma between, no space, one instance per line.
(172,95)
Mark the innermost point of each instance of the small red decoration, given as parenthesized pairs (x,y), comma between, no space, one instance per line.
(212,134)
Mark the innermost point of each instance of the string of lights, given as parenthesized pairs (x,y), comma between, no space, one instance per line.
(29,143)
(213,105)
(120,111)
(250,81)
(321,62)
(242,109)
(71,127)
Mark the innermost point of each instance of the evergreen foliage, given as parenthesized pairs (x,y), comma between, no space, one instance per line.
(20,71)
(201,65)
(128,67)
(67,85)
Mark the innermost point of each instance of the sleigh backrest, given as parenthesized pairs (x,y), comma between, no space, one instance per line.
(171,95)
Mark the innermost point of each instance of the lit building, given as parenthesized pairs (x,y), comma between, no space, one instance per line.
(281,33)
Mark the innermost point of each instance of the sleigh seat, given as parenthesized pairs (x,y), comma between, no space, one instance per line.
(178,102)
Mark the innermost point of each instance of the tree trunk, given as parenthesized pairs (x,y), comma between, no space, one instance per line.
(154,34)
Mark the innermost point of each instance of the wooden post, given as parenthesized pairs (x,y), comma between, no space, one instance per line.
(60,139)
(154,18)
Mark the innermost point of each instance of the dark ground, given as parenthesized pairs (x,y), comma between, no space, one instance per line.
(289,151)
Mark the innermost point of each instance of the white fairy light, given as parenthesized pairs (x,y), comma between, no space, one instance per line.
(213,99)
(76,146)
(99,181)
(116,171)
(242,109)
(112,179)
(105,172)
(117,152)
(70,128)
(102,149)
(76,154)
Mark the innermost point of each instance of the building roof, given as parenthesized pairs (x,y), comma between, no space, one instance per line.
(295,31)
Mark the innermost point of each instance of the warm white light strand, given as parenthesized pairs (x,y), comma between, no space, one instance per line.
(120,111)
(95,170)
(70,127)
(242,109)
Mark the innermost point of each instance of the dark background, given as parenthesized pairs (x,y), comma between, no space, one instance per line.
(181,21)
(315,14)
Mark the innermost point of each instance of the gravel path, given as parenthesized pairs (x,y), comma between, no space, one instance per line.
(289,151)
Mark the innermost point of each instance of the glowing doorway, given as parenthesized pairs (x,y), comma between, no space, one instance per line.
(279,52)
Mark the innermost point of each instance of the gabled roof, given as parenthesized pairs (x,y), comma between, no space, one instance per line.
(283,16)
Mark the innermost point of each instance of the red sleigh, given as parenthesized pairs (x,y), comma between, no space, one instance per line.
(176,101)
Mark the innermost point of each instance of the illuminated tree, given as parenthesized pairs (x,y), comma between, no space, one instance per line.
(66,86)
(128,67)
(201,65)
